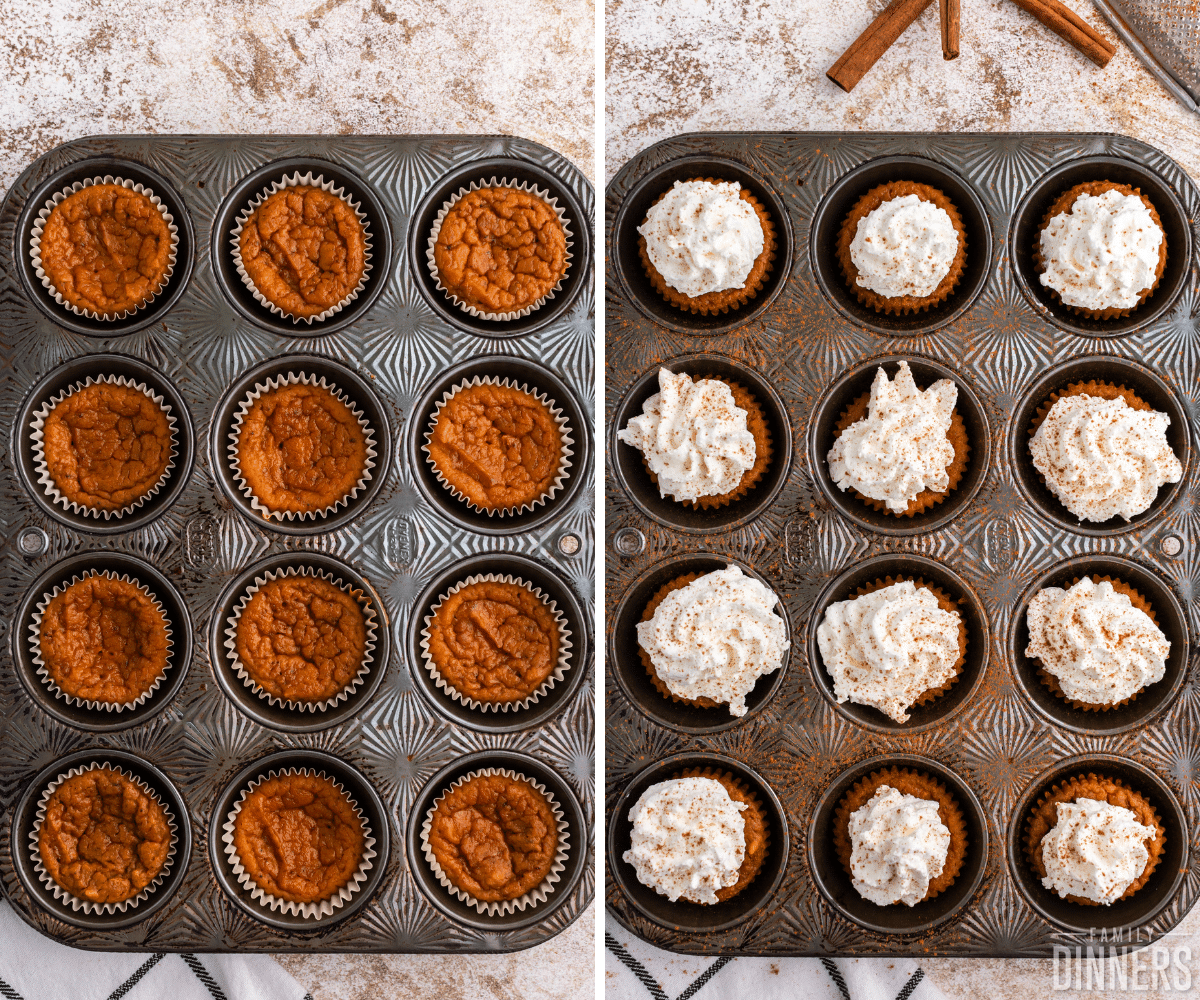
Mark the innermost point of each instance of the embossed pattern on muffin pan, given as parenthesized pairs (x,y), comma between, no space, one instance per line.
(202,735)
(992,733)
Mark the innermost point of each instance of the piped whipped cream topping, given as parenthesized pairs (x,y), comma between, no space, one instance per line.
(703,237)
(898,845)
(887,648)
(688,839)
(1095,850)
(904,247)
(715,637)
(900,448)
(1100,647)
(1101,457)
(693,437)
(1103,253)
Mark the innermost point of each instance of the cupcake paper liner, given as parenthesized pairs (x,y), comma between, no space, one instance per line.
(528,188)
(301,706)
(42,469)
(277,382)
(299,180)
(320,908)
(71,899)
(534,896)
(564,646)
(39,225)
(43,671)
(565,446)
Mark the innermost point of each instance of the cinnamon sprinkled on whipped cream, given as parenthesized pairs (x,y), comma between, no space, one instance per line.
(898,845)
(1095,850)
(906,246)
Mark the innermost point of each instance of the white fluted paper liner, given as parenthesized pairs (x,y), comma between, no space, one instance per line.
(564,433)
(42,469)
(323,907)
(533,896)
(556,675)
(61,894)
(43,672)
(528,188)
(301,706)
(298,180)
(276,382)
(39,225)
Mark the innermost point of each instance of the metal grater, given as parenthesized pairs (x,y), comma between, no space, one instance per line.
(1169,35)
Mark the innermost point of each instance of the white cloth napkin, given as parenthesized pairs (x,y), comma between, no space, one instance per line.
(32,967)
(635,970)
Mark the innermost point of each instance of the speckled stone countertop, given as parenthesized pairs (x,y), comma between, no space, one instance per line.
(70,68)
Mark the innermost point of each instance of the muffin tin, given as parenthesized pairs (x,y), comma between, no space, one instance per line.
(203,735)
(994,738)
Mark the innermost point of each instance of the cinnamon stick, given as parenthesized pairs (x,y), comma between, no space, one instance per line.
(1070,27)
(951,15)
(875,41)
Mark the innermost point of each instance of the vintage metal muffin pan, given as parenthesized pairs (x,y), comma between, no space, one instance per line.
(395,743)
(807,348)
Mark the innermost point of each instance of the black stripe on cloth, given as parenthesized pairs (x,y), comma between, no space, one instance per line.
(8,992)
(704,977)
(202,974)
(836,975)
(133,980)
(907,990)
(634,966)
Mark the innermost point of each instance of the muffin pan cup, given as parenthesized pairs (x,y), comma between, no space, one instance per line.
(988,542)
(198,543)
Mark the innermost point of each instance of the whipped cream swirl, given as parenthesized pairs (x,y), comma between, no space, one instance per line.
(1101,457)
(887,648)
(693,437)
(1095,642)
(1103,253)
(688,839)
(904,247)
(900,448)
(898,845)
(715,638)
(1095,850)
(703,237)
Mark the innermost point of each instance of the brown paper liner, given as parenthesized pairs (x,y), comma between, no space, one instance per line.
(1062,204)
(1047,678)
(677,584)
(920,785)
(756,423)
(756,832)
(956,435)
(946,603)
(728,298)
(900,304)
(1043,817)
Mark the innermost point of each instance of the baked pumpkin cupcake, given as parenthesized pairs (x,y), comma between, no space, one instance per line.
(1101,250)
(301,639)
(706,639)
(101,839)
(501,448)
(701,836)
(900,836)
(707,245)
(902,248)
(1093,840)
(102,641)
(299,448)
(496,840)
(104,446)
(500,251)
(303,248)
(104,249)
(299,843)
(1102,450)
(900,449)
(1097,644)
(495,643)
(720,441)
